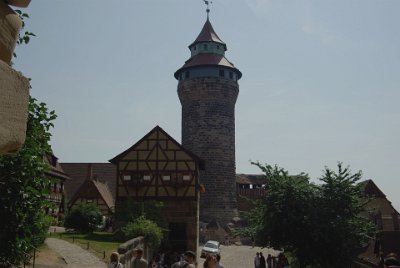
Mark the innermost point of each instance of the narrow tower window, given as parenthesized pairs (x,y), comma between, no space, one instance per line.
(221,73)
(230,75)
(205,47)
(187,74)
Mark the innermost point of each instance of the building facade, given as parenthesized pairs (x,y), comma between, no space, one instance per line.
(208,89)
(158,168)
(57,180)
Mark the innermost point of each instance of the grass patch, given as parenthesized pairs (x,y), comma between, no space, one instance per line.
(99,242)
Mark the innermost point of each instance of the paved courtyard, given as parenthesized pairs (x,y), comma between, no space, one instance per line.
(64,254)
(239,256)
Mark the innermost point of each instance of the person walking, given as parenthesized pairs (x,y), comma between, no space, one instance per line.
(269,261)
(219,264)
(262,261)
(257,260)
(187,262)
(210,262)
(114,261)
(138,262)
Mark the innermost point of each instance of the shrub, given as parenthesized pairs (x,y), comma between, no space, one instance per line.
(85,218)
(143,227)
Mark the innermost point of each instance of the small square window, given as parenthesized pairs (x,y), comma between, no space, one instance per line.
(217,46)
(166,177)
(186,177)
(147,178)
(127,177)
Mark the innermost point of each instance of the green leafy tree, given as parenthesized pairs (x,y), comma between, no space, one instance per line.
(146,228)
(342,225)
(23,188)
(319,225)
(85,218)
(130,210)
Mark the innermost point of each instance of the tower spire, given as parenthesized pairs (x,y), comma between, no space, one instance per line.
(208,8)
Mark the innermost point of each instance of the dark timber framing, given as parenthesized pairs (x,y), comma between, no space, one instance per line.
(158,168)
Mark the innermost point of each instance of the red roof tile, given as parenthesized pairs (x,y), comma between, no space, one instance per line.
(208,59)
(208,34)
(103,172)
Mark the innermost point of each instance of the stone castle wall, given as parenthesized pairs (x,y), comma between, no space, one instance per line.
(208,130)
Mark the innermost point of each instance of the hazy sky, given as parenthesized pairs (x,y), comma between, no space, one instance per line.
(320,78)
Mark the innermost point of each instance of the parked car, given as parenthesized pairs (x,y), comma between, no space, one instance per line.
(210,247)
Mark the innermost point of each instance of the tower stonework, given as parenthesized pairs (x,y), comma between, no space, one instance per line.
(208,90)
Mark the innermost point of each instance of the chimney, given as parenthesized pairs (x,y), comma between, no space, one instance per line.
(89,172)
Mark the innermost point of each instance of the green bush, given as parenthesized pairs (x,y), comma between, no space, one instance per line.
(143,227)
(130,210)
(85,218)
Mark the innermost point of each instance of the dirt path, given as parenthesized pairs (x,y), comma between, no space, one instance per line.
(60,253)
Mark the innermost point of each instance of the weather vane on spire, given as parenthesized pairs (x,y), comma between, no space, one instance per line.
(208,9)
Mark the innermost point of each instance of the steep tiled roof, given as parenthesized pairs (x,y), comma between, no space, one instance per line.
(388,237)
(208,34)
(155,129)
(104,191)
(208,59)
(371,189)
(97,188)
(104,172)
(250,179)
(55,169)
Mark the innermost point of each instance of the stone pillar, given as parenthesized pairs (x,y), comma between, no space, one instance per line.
(14,87)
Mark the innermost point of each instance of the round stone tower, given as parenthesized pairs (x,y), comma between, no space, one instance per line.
(208,90)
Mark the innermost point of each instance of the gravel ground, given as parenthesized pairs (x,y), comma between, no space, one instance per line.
(73,255)
(62,254)
(239,256)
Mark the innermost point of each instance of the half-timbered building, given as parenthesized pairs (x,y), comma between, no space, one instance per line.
(386,219)
(93,190)
(57,179)
(158,168)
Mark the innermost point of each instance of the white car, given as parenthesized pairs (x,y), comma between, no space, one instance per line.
(211,247)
